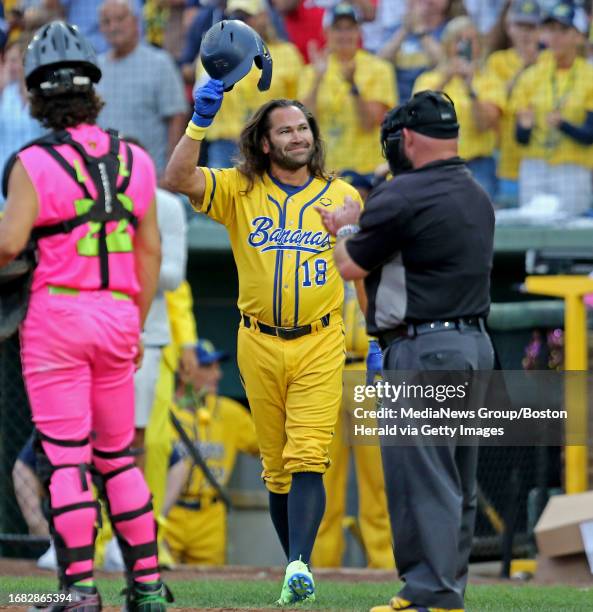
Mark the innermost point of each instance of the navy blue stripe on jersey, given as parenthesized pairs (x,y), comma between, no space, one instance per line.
(296,290)
(277,281)
(296,284)
(280,275)
(213,191)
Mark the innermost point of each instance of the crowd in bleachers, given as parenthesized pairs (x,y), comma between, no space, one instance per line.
(519,71)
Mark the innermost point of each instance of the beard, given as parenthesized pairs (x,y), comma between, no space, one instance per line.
(286,161)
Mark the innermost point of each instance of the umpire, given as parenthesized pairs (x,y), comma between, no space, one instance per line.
(424,247)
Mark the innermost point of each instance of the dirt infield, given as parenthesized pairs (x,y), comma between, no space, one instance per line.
(478,574)
(19,567)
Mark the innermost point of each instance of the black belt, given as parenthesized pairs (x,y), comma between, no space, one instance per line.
(411,330)
(354,359)
(197,504)
(286,333)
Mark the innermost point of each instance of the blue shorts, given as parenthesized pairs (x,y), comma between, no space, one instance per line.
(27,453)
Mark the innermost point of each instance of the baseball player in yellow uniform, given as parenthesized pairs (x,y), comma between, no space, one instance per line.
(180,353)
(291,335)
(373,518)
(195,527)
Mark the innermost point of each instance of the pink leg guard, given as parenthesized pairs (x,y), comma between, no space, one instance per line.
(73,508)
(130,510)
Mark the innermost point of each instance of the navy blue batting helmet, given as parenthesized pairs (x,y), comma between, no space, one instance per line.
(228,51)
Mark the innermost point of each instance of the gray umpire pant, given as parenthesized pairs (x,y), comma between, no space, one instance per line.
(431,490)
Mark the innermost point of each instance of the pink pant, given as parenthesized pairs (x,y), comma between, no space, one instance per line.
(77,353)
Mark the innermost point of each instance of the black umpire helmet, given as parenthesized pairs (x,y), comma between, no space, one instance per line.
(228,51)
(60,60)
(431,113)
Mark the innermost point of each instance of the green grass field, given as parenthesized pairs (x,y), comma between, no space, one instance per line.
(251,595)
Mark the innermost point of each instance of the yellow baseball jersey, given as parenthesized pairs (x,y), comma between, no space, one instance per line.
(506,65)
(220,429)
(245,98)
(349,146)
(284,256)
(357,341)
(181,321)
(472,142)
(545,87)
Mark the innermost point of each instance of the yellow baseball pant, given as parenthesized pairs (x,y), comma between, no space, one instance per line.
(373,516)
(197,537)
(158,438)
(294,388)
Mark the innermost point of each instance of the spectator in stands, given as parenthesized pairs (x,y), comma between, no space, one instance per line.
(303,24)
(553,101)
(484,13)
(245,98)
(3,27)
(415,45)
(388,17)
(141,85)
(522,27)
(17,127)
(367,9)
(219,428)
(85,14)
(349,91)
(478,97)
(209,13)
(165,22)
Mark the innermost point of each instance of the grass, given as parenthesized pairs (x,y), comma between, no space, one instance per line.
(331,595)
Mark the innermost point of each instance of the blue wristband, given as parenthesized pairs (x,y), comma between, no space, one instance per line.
(201,121)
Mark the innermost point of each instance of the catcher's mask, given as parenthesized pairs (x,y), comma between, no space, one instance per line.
(228,51)
(431,113)
(59,60)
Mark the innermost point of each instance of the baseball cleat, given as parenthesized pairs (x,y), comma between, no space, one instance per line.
(147,597)
(74,599)
(398,603)
(298,584)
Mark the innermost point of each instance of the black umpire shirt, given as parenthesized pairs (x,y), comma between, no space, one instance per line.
(426,238)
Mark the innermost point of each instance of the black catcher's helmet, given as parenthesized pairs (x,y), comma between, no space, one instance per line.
(60,60)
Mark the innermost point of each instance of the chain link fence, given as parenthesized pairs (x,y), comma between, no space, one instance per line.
(19,487)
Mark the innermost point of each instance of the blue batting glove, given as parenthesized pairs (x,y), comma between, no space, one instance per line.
(374,361)
(207,101)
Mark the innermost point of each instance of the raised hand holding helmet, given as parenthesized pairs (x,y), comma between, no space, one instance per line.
(207,101)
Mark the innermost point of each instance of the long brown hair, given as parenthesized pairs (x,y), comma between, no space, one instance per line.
(254,162)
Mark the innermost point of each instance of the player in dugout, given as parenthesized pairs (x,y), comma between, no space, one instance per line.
(219,428)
